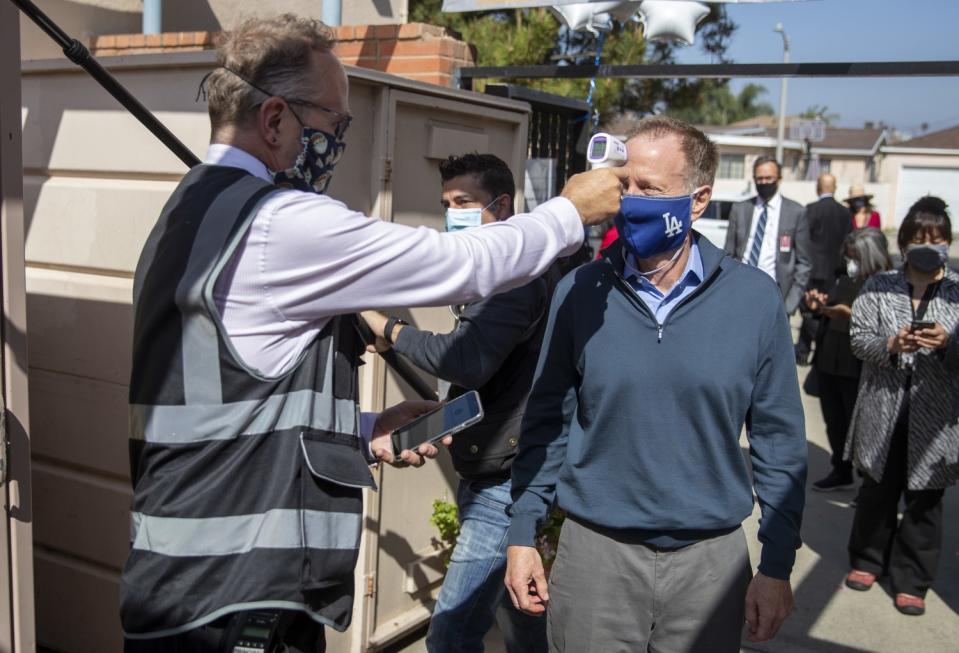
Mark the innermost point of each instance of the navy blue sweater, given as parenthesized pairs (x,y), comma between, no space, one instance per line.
(634,426)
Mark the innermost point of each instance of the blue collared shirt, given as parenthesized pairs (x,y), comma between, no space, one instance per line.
(661,304)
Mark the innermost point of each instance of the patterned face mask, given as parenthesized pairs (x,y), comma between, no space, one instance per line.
(313,168)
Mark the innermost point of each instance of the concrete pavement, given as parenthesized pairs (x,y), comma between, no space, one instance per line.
(829,618)
(832,618)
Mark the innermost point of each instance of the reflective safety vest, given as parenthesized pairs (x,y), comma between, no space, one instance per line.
(247,488)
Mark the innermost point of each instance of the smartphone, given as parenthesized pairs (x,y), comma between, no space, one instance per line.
(918,325)
(451,417)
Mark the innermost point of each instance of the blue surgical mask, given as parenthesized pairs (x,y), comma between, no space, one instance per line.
(457,219)
(313,168)
(653,225)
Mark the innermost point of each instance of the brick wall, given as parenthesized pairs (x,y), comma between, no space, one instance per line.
(417,51)
(112,45)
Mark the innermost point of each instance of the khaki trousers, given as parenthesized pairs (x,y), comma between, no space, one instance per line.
(613,596)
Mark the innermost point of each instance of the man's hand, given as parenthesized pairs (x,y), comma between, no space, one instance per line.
(934,338)
(768,602)
(903,342)
(377,323)
(813,300)
(596,194)
(526,580)
(395,417)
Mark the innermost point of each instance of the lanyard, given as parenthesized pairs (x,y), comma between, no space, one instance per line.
(920,312)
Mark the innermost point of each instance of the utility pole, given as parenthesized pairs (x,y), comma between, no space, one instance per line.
(780,132)
(152,16)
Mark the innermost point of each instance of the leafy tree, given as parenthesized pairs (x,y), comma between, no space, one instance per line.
(820,112)
(717,105)
(536,36)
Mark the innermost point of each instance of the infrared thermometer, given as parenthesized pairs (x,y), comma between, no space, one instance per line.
(605,151)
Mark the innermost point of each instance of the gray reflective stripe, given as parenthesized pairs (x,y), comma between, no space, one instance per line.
(134,525)
(274,529)
(191,424)
(201,354)
(239,607)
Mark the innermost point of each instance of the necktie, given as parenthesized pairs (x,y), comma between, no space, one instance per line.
(758,238)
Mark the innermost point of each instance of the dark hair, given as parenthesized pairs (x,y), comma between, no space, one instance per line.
(765,158)
(702,157)
(928,216)
(493,173)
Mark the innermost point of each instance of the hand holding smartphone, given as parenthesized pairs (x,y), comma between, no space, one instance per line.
(919,325)
(450,418)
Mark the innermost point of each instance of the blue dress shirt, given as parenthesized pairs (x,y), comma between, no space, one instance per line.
(661,304)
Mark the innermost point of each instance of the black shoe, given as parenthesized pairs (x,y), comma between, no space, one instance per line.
(835,481)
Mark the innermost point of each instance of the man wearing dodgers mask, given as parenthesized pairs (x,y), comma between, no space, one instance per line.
(655,357)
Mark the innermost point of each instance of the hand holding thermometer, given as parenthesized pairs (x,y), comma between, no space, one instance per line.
(605,151)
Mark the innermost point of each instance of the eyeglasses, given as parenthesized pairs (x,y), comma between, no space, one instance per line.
(343,120)
(341,124)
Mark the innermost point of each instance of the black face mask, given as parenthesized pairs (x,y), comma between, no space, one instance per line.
(927,258)
(858,203)
(766,191)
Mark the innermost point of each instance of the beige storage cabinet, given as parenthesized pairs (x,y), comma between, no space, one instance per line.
(94,183)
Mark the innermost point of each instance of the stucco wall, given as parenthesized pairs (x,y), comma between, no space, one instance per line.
(214,15)
(80,21)
(83,20)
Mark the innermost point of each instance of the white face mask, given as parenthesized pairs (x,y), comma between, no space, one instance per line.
(457,219)
(852,268)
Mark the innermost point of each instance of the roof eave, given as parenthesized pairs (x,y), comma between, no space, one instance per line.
(932,151)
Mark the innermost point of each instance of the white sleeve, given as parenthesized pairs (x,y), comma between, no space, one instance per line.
(321,259)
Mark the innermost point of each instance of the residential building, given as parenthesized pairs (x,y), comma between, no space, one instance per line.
(927,164)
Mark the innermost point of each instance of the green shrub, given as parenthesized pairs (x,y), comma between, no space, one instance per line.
(446,519)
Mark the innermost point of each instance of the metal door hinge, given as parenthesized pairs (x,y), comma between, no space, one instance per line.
(370,585)
(387,170)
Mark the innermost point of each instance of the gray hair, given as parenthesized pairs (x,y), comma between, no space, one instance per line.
(872,251)
(272,54)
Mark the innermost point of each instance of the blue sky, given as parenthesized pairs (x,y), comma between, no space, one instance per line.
(854,30)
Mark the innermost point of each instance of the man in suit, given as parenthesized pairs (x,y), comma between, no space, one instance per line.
(770,232)
(829,224)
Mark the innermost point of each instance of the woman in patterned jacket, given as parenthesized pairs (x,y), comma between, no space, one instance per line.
(904,436)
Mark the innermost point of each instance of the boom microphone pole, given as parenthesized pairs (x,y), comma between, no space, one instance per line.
(78,53)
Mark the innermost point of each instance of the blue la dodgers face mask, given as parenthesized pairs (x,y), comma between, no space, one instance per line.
(653,225)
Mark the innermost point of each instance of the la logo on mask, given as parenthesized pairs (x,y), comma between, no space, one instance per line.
(673,226)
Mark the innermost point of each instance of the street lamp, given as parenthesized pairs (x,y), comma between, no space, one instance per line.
(780,132)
